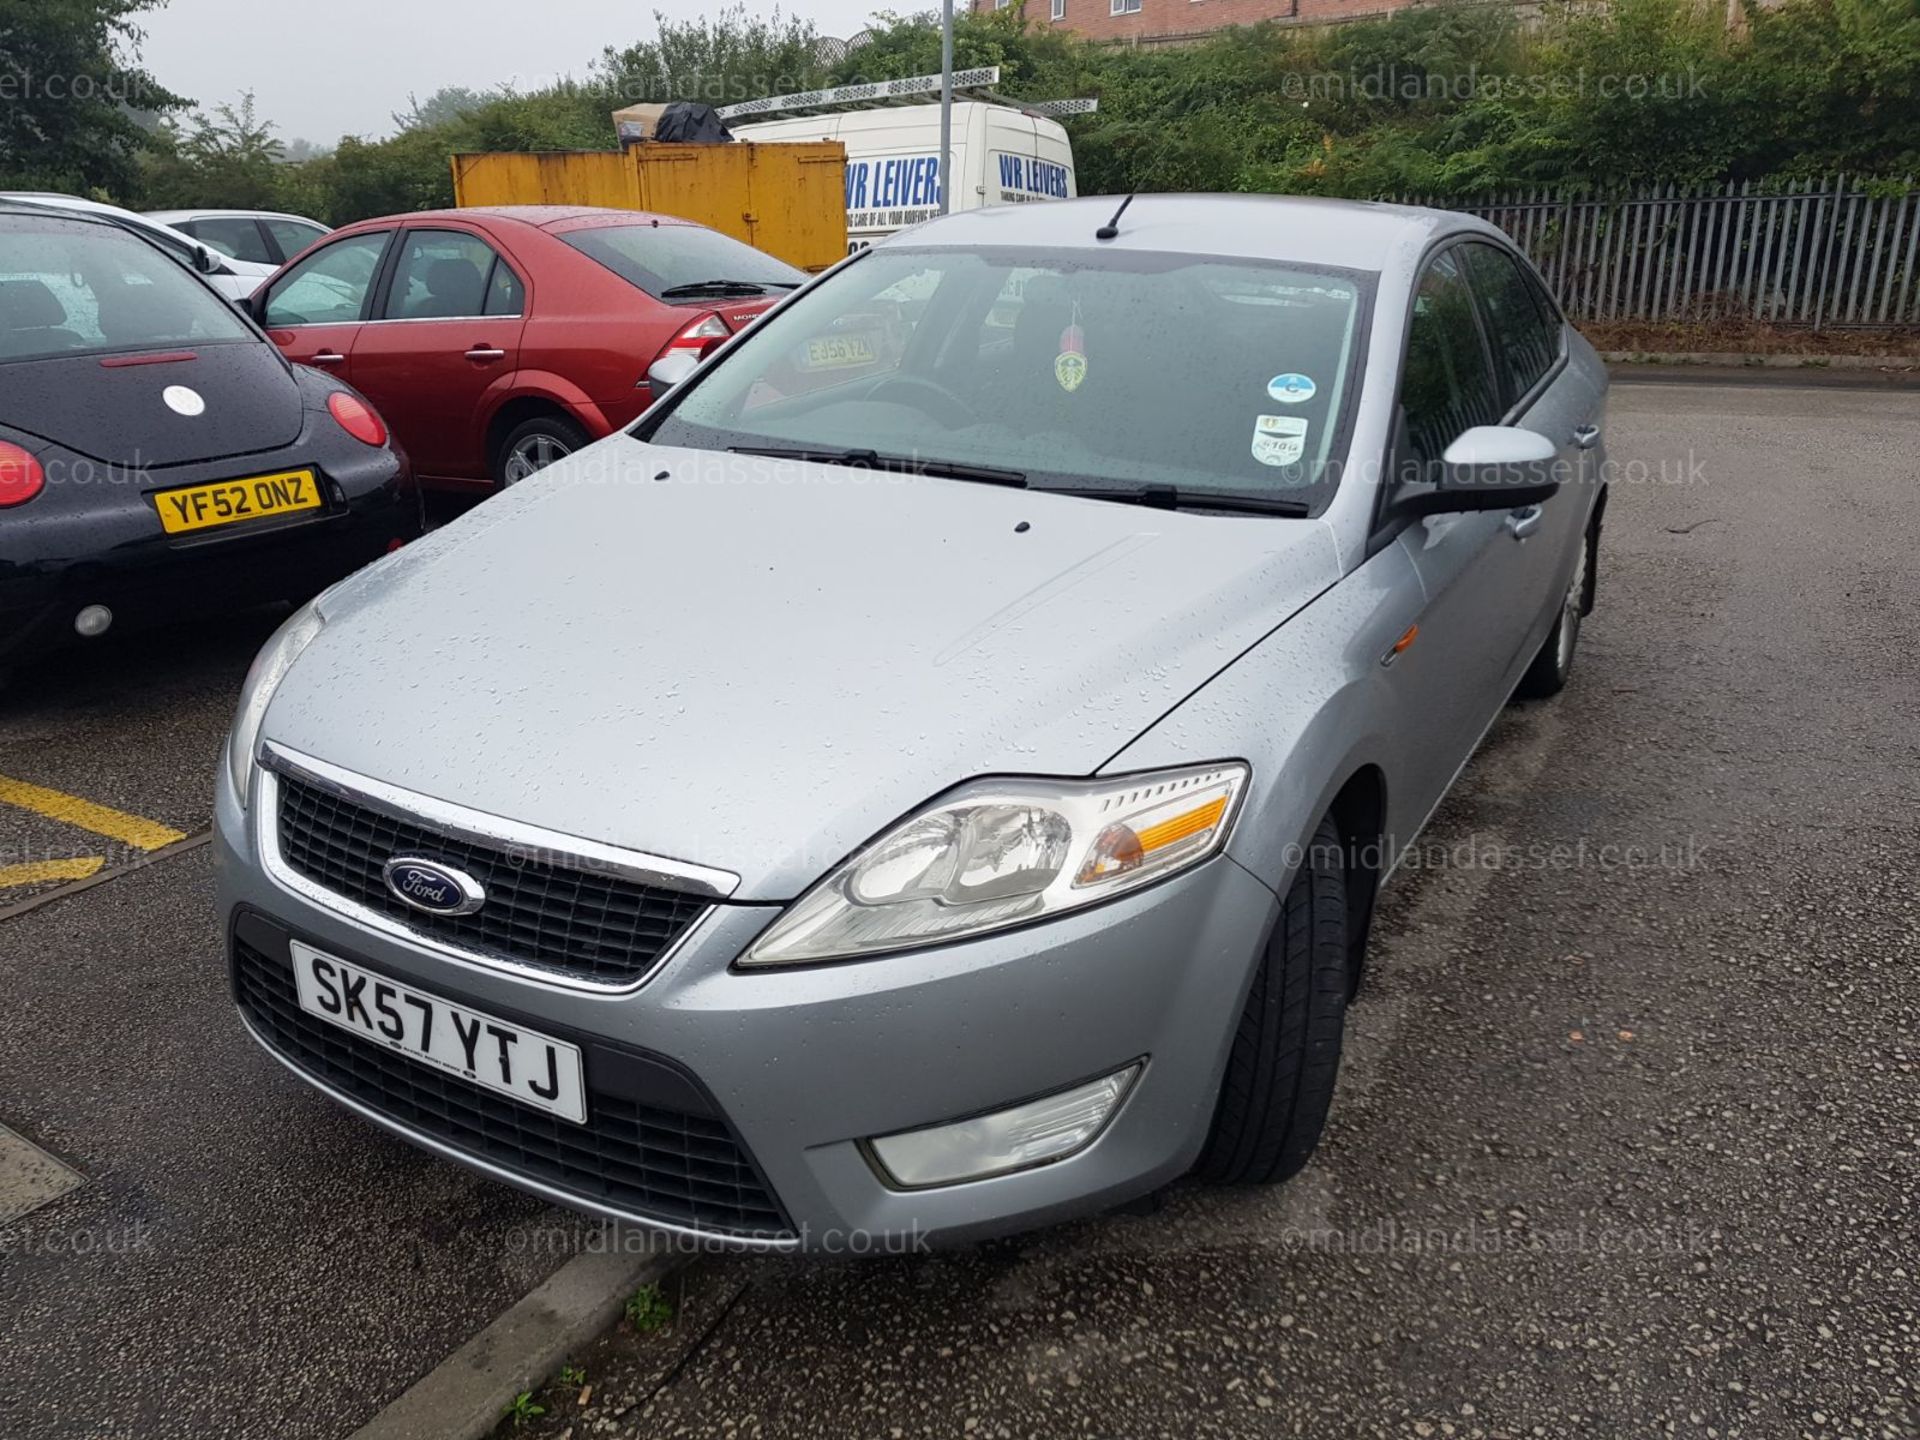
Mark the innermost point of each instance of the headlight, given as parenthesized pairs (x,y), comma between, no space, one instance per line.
(1006,852)
(269,668)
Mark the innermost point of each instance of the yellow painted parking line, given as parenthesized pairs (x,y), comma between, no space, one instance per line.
(100,819)
(42,871)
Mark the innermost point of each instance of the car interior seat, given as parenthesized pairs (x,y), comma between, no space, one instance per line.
(32,320)
(455,287)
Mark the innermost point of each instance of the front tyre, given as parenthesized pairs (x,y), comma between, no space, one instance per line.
(1286,1054)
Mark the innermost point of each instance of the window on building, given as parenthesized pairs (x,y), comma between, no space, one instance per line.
(1059,11)
(1125,7)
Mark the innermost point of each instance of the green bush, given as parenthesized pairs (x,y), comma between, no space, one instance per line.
(1449,99)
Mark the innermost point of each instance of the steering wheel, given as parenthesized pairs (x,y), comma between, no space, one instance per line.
(949,408)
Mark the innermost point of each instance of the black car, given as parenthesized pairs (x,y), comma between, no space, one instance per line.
(159,459)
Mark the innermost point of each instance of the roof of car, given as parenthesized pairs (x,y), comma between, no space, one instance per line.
(1354,234)
(12,207)
(544,217)
(174,217)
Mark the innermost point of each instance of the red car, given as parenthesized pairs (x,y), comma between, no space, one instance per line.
(496,341)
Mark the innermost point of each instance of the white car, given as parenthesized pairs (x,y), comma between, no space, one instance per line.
(261,237)
(235,279)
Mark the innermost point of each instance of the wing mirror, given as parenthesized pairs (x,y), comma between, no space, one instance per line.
(1492,467)
(204,261)
(669,371)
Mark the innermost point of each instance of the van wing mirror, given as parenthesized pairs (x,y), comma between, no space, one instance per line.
(1492,467)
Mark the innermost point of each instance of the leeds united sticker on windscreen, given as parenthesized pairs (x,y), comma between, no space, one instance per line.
(1279,439)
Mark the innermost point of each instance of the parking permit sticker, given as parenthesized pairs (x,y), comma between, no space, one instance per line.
(1279,439)
(1291,389)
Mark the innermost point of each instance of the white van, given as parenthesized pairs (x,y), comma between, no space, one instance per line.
(1001,155)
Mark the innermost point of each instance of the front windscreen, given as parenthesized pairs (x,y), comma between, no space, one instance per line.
(72,289)
(1077,369)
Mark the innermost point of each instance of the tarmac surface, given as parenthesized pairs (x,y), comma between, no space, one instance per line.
(1628,1138)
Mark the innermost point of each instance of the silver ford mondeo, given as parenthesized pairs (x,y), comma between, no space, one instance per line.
(931,776)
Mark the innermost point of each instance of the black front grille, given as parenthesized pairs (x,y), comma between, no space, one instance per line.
(638,1158)
(573,922)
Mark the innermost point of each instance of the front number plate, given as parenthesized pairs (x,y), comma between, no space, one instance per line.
(507,1058)
(230,502)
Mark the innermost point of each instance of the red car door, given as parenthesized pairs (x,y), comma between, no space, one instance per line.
(445,331)
(314,310)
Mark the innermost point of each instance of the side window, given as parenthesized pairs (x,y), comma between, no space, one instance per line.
(441,275)
(292,236)
(505,294)
(1526,341)
(235,236)
(1446,386)
(330,286)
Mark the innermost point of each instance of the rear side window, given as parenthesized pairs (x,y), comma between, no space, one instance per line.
(442,275)
(1447,386)
(235,236)
(330,286)
(292,236)
(663,259)
(1525,334)
(505,294)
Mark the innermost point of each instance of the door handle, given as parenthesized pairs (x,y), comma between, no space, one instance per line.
(328,357)
(486,352)
(1522,523)
(1586,436)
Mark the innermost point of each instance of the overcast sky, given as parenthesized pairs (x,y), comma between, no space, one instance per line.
(344,66)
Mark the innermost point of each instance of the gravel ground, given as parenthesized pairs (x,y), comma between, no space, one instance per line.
(1626,1140)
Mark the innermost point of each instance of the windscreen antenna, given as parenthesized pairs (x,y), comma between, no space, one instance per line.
(1111,230)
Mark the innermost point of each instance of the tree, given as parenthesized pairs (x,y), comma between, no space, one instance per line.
(729,57)
(447,103)
(71,93)
(227,160)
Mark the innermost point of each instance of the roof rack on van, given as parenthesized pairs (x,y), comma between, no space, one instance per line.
(974,84)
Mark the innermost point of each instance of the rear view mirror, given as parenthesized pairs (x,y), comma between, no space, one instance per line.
(204,261)
(1493,467)
(669,371)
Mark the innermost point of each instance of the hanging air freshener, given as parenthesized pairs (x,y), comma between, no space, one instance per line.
(1070,366)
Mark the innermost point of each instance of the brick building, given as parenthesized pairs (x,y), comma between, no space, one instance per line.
(1163,22)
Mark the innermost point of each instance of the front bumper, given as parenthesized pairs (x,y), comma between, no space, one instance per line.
(801,1065)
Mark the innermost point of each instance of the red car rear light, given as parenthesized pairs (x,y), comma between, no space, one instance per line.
(698,338)
(21,477)
(357,418)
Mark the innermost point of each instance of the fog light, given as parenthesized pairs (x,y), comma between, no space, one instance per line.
(93,620)
(1036,1133)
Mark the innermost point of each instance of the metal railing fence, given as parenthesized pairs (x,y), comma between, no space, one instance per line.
(1824,253)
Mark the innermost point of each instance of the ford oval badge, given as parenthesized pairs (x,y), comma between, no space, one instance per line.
(435,888)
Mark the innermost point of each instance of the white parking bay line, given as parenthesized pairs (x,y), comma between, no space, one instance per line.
(29,1177)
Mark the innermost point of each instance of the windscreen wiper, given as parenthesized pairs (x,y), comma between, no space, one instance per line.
(725,287)
(1172,497)
(903,464)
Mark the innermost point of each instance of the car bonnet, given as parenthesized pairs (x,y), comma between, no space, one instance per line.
(755,666)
